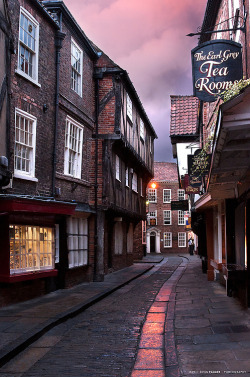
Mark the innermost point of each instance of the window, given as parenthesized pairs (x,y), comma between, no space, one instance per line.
(141,186)
(31,248)
(182,239)
(144,232)
(167,217)
(57,243)
(117,168)
(135,182)
(181,194)
(129,108)
(73,148)
(152,218)
(28,46)
(130,239)
(141,129)
(77,239)
(181,219)
(127,176)
(150,144)
(76,68)
(166,196)
(152,195)
(118,233)
(25,140)
(167,239)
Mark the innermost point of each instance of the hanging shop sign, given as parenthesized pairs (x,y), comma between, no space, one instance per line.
(216,66)
(188,188)
(198,166)
(181,205)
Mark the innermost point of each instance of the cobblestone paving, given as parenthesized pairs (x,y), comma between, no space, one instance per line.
(103,340)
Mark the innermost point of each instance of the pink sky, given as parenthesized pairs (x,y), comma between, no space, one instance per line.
(148,39)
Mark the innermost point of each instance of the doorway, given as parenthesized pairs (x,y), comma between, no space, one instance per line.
(152,242)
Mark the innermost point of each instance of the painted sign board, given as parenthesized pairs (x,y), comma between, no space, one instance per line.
(181,205)
(216,66)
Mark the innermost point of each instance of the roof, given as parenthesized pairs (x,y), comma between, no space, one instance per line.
(165,171)
(184,115)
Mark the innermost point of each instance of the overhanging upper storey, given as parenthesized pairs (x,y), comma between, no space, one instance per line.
(229,171)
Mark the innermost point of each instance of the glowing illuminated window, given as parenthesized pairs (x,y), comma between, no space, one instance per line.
(31,248)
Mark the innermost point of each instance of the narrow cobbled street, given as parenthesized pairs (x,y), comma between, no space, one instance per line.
(169,321)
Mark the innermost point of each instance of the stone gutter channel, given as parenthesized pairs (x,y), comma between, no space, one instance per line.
(157,348)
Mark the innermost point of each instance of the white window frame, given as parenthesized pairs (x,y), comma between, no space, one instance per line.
(129,108)
(77,241)
(117,168)
(166,195)
(182,239)
(152,215)
(142,130)
(141,186)
(57,238)
(144,232)
(135,182)
(181,194)
(127,177)
(33,52)
(181,217)
(78,83)
(152,195)
(167,239)
(167,217)
(27,248)
(73,148)
(30,148)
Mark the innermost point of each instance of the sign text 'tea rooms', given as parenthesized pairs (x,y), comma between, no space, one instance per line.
(216,65)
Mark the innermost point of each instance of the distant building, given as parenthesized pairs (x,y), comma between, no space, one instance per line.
(166,228)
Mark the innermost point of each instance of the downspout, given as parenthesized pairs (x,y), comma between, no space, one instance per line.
(97,76)
(59,37)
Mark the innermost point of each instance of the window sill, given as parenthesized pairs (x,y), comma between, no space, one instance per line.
(21,73)
(27,276)
(25,177)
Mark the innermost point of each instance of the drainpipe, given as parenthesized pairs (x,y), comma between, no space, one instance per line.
(96,276)
(59,37)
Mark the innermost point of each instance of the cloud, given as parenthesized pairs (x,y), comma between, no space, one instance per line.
(148,39)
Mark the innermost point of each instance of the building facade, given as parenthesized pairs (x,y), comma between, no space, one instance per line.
(76,189)
(221,213)
(166,230)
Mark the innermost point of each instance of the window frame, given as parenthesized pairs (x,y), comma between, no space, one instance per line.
(18,173)
(152,193)
(135,182)
(129,109)
(167,217)
(25,252)
(180,234)
(181,194)
(81,238)
(78,168)
(152,215)
(79,74)
(166,201)
(34,53)
(181,217)
(127,176)
(142,130)
(165,239)
(117,168)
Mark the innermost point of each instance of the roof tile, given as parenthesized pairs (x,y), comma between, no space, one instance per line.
(184,115)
